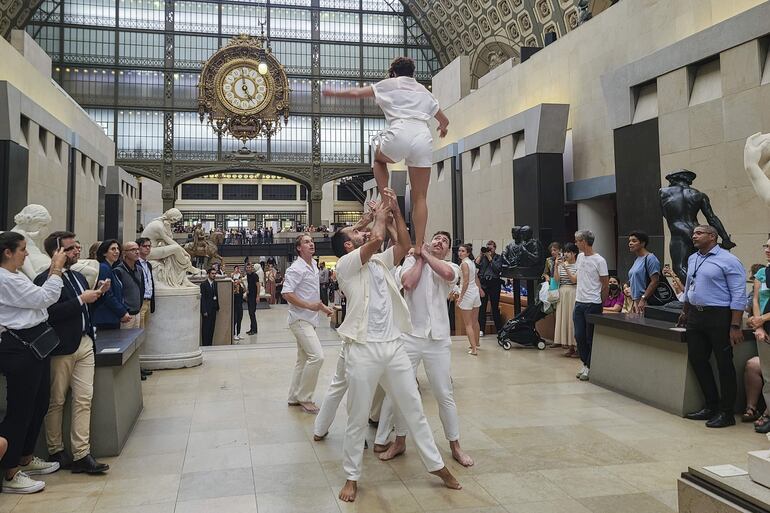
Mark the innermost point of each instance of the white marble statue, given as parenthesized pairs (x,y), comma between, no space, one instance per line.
(172,262)
(756,161)
(32,222)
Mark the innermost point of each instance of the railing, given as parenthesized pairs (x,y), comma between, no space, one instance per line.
(322,248)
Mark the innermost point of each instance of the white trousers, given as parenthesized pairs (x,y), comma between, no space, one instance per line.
(366,365)
(435,356)
(310,358)
(334,395)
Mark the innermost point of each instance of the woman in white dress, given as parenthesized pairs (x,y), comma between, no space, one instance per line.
(408,106)
(470,296)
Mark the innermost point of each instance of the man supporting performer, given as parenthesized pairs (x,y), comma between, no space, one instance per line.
(375,320)
(302,291)
(427,282)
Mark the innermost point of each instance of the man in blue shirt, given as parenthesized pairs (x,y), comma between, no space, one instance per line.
(715,297)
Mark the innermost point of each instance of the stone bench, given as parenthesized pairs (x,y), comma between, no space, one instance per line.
(117,400)
(646,359)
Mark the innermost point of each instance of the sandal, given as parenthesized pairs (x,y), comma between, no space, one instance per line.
(750,415)
(762,425)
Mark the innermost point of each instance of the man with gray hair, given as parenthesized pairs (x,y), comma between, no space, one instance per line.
(592,289)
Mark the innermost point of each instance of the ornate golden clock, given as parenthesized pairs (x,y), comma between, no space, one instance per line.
(243,90)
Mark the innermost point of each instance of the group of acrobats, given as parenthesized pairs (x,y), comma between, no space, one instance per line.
(385,334)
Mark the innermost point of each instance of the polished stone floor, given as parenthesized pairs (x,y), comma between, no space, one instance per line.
(220,439)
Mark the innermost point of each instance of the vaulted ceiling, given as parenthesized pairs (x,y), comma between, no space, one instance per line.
(488,31)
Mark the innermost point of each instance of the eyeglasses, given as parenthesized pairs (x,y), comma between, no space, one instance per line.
(131,250)
(765,246)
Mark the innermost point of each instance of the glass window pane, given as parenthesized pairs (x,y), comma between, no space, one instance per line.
(186,90)
(90,12)
(340,60)
(49,12)
(340,26)
(340,4)
(377,60)
(340,139)
(200,191)
(243,19)
(142,14)
(303,3)
(382,5)
(336,105)
(301,95)
(289,23)
(294,142)
(196,17)
(105,118)
(89,86)
(141,49)
(137,87)
(47,38)
(294,56)
(92,46)
(372,126)
(192,51)
(140,134)
(422,65)
(193,140)
(383,28)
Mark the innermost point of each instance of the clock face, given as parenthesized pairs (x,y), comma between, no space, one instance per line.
(243,89)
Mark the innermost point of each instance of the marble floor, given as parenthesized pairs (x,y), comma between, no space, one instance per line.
(220,438)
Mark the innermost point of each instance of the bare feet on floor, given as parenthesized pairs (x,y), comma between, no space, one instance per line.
(348,492)
(309,407)
(459,455)
(381,448)
(397,448)
(448,478)
(318,438)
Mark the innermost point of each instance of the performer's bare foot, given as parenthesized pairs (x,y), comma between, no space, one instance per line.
(381,448)
(459,455)
(448,478)
(397,448)
(318,438)
(348,492)
(309,407)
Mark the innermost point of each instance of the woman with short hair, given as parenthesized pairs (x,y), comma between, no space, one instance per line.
(23,312)
(644,274)
(565,272)
(111,312)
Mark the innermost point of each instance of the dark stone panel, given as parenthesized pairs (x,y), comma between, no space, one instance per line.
(458,223)
(113,217)
(14,183)
(100,228)
(637,178)
(71,184)
(538,195)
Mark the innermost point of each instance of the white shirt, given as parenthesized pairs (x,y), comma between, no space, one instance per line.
(301,278)
(404,98)
(590,269)
(22,303)
(380,326)
(353,280)
(427,301)
(145,267)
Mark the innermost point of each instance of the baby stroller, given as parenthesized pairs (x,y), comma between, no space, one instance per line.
(520,331)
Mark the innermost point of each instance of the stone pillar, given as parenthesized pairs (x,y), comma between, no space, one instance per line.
(14,163)
(598,215)
(314,205)
(538,190)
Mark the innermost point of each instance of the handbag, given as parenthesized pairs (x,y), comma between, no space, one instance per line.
(40,339)
(553,291)
(663,293)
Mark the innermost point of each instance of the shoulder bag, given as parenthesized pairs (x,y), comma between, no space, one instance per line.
(40,339)
(663,293)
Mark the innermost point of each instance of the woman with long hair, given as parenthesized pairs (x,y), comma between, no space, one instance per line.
(565,272)
(111,312)
(24,307)
(470,296)
(238,292)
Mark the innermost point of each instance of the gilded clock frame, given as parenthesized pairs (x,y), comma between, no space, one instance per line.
(250,63)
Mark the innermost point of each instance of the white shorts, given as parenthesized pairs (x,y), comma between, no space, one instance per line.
(470,300)
(408,140)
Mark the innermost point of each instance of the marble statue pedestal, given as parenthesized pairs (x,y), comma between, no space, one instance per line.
(759,467)
(172,337)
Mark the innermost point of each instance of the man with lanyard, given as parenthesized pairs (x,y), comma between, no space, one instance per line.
(427,282)
(490,265)
(715,297)
(72,362)
(148,303)
(376,318)
(301,290)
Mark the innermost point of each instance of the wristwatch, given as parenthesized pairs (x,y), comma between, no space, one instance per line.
(644,297)
(735,326)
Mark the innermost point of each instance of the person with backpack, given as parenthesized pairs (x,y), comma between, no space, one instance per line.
(644,274)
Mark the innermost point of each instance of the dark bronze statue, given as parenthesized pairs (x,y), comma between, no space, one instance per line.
(681,204)
(525,256)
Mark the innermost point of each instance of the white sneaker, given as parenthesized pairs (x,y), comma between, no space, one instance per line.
(237,337)
(38,467)
(21,483)
(481,333)
(584,376)
(582,370)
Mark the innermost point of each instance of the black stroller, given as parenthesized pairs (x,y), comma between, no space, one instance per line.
(520,331)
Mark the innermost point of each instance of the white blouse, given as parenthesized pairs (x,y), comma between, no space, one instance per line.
(22,303)
(404,98)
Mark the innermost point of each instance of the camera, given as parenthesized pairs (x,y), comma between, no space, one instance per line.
(484,249)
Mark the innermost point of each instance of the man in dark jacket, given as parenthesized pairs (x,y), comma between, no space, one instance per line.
(72,362)
(490,265)
(132,278)
(209,307)
(252,290)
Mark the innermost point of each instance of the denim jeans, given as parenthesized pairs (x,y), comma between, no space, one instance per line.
(584,330)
